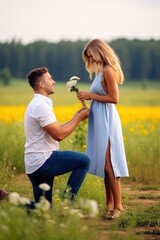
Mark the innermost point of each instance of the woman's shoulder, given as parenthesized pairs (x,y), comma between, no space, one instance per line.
(108,70)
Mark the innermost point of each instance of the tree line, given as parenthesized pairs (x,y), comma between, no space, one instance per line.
(140,59)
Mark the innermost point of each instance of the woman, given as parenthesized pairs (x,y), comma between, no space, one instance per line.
(105,141)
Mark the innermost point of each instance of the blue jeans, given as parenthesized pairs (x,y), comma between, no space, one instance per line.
(60,162)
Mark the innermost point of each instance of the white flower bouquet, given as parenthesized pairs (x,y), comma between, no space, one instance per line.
(71,86)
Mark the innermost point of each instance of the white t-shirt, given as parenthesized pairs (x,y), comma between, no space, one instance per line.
(39,144)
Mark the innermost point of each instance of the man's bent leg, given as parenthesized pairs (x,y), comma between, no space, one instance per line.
(61,162)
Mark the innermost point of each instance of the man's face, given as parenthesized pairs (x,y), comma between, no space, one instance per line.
(48,83)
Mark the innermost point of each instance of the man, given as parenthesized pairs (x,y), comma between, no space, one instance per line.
(43,159)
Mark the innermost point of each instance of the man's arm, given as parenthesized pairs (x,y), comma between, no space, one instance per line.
(59,132)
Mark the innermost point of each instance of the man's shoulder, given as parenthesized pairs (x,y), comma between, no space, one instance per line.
(34,107)
(37,103)
(39,107)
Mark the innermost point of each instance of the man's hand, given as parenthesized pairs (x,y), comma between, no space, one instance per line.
(83,114)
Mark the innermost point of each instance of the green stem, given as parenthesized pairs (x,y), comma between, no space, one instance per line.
(74,89)
(83,104)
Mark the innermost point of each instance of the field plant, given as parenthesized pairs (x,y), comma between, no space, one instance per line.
(143,216)
(79,137)
(12,146)
(142,144)
(63,221)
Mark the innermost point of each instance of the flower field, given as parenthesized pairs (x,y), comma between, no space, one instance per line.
(128,114)
(141,131)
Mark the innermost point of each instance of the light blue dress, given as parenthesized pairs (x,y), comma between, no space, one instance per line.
(104,124)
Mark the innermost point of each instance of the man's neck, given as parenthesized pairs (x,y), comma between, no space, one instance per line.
(41,92)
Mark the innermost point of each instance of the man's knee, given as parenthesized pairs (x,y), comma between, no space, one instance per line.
(87,160)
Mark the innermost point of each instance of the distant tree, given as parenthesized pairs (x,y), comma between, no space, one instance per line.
(5,76)
(139,58)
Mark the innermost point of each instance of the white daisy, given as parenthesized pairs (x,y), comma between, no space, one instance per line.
(24,201)
(71,84)
(14,198)
(44,186)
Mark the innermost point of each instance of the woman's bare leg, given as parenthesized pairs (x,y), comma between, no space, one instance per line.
(109,195)
(114,183)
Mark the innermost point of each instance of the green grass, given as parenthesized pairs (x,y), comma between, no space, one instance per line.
(20,93)
(131,94)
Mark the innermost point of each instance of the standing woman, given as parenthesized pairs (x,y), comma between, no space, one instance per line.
(105,141)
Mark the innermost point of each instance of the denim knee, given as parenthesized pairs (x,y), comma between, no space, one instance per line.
(87,160)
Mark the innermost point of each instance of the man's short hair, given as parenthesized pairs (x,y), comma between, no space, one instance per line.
(34,76)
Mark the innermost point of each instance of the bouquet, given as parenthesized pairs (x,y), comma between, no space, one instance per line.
(71,86)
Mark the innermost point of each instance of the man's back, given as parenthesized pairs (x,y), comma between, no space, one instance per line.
(39,144)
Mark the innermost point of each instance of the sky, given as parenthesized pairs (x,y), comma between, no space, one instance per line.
(55,20)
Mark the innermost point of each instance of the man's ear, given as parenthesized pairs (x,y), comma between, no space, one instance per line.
(41,84)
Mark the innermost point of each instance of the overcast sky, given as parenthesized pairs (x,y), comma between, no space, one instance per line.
(54,20)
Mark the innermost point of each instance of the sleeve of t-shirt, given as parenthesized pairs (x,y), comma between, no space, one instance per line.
(46,116)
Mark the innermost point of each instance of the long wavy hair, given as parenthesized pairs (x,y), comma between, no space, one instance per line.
(101,55)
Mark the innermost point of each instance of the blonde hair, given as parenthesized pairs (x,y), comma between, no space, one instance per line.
(102,55)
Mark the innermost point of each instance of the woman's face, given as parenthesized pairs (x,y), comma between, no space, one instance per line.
(89,55)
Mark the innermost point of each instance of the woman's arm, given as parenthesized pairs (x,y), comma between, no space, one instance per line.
(109,80)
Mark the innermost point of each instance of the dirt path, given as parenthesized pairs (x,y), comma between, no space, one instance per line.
(104,228)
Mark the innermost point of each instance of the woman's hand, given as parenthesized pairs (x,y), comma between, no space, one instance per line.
(84,95)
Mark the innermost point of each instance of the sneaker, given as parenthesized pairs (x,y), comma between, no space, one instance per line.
(69,195)
(3,194)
